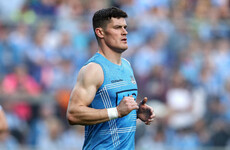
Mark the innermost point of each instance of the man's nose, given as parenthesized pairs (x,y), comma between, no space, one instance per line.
(124,31)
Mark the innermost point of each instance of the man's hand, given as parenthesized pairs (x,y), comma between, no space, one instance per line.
(145,112)
(126,105)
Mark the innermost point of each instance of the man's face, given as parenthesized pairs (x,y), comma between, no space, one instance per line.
(115,35)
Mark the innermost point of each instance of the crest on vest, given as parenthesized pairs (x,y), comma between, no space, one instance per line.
(133,80)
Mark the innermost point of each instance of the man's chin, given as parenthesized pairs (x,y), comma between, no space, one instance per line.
(122,50)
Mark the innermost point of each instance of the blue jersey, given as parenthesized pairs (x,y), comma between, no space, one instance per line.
(118,133)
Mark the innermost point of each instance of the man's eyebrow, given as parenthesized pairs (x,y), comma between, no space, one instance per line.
(125,26)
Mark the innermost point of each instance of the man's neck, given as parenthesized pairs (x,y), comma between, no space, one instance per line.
(112,56)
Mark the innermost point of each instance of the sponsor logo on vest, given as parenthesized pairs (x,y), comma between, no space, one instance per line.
(119,80)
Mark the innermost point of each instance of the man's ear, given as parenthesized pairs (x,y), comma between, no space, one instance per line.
(99,32)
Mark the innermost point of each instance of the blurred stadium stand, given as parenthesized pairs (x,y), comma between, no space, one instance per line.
(179,49)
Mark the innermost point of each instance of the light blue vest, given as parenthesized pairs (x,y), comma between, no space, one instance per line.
(118,133)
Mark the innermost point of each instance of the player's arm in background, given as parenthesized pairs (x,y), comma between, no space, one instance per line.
(3,122)
(90,78)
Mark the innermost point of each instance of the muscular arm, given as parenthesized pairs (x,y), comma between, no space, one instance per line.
(90,78)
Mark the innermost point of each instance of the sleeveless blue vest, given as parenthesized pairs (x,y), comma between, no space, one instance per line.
(118,133)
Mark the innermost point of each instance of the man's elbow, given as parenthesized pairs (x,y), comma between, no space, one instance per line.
(72,120)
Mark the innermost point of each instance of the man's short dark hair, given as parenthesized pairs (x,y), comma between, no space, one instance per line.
(102,17)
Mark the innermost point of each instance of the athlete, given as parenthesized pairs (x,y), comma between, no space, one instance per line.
(3,122)
(104,97)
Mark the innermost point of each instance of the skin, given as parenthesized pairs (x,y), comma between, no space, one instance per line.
(3,122)
(112,42)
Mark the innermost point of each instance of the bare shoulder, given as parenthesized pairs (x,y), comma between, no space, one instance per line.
(92,73)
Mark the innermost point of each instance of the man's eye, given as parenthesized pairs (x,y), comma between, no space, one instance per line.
(117,27)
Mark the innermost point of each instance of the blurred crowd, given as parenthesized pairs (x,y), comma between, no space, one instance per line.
(179,50)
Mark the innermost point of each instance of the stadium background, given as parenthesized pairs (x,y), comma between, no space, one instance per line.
(179,49)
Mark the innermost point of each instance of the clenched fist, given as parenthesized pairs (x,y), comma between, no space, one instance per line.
(126,105)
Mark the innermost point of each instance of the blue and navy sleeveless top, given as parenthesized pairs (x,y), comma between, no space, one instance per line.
(118,133)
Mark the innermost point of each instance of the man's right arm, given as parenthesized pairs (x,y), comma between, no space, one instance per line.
(90,78)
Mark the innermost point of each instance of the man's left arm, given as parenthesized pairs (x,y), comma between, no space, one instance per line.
(145,113)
